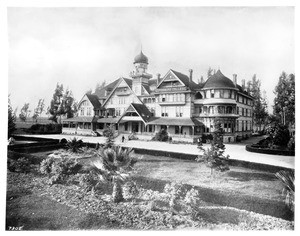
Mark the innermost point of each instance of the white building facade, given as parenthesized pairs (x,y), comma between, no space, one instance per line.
(143,105)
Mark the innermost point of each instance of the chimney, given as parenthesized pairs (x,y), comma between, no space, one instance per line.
(243,84)
(191,77)
(234,78)
(202,80)
(158,78)
(191,74)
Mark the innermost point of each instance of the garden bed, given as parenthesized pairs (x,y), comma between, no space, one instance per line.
(148,208)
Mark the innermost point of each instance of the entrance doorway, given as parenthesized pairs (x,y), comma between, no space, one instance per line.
(135,127)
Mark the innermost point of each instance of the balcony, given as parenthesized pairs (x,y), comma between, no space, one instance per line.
(170,89)
(207,101)
(202,115)
(173,103)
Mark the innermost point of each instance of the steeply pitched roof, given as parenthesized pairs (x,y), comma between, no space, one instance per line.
(94,100)
(218,80)
(186,80)
(128,81)
(101,93)
(143,111)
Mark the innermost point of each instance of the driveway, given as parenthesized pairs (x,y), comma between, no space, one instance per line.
(235,151)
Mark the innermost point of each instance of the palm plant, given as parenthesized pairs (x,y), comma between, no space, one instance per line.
(288,179)
(74,144)
(114,164)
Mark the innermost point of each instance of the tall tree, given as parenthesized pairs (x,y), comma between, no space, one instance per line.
(284,102)
(25,112)
(69,106)
(55,104)
(39,109)
(100,86)
(11,119)
(62,103)
(260,112)
(209,72)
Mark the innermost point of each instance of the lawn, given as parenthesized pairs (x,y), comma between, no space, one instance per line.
(33,204)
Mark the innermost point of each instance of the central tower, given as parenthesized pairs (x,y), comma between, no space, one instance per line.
(140,76)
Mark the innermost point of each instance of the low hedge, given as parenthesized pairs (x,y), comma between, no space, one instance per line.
(256,148)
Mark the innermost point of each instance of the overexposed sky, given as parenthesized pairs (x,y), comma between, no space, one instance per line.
(80,47)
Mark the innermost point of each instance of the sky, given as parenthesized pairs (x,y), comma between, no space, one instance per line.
(80,47)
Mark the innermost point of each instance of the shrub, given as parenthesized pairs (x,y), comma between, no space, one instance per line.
(74,144)
(214,156)
(110,134)
(46,165)
(22,165)
(130,189)
(279,135)
(59,169)
(291,143)
(191,198)
(89,181)
(161,136)
(174,192)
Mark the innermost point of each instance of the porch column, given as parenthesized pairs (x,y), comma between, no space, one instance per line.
(193,132)
(156,128)
(167,128)
(179,131)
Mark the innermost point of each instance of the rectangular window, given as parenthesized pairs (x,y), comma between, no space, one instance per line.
(82,111)
(221,93)
(88,111)
(212,93)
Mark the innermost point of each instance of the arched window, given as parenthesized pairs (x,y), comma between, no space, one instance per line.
(145,100)
(149,100)
(153,100)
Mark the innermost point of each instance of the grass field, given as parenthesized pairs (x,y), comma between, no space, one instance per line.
(32,205)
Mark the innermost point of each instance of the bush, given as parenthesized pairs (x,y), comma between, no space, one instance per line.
(161,136)
(22,165)
(291,143)
(279,135)
(59,169)
(46,165)
(45,129)
(206,137)
(174,192)
(130,189)
(89,181)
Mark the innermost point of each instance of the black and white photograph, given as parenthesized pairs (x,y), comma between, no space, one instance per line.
(149,118)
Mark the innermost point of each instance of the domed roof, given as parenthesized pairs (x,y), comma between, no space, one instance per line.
(141,58)
(218,80)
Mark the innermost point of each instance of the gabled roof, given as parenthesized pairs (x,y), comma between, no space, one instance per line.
(101,93)
(218,80)
(185,80)
(147,88)
(142,110)
(94,100)
(129,82)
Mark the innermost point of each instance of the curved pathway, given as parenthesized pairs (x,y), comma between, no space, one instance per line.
(235,151)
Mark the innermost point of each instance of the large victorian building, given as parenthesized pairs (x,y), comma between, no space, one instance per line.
(145,105)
